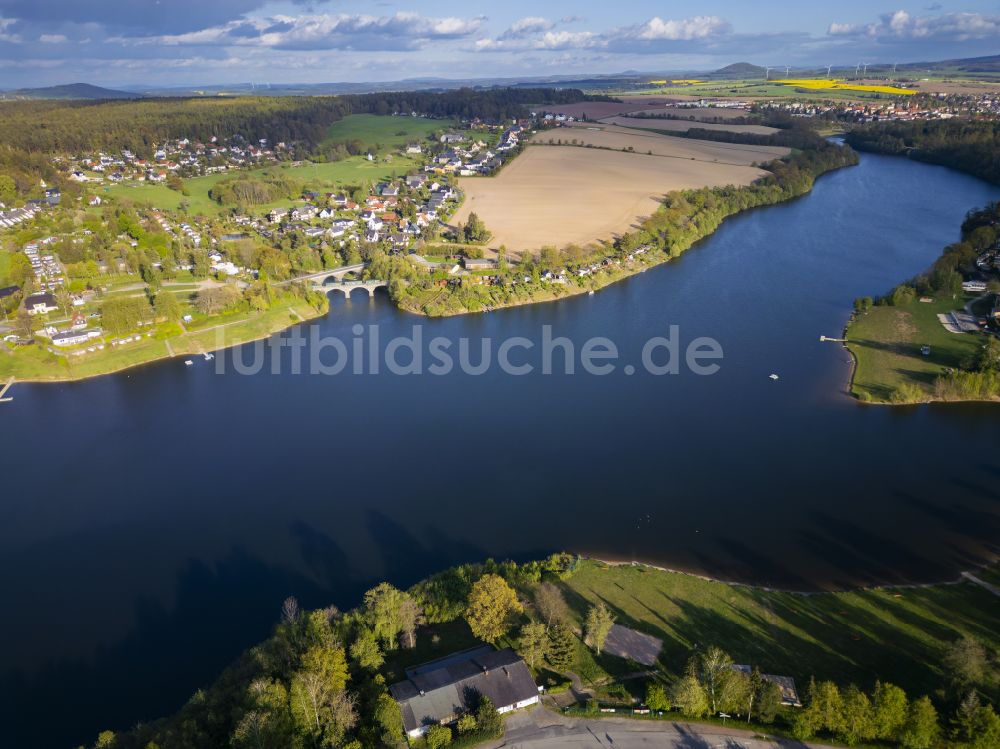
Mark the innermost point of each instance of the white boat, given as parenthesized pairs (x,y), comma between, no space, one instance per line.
(209,357)
(188,362)
(773,376)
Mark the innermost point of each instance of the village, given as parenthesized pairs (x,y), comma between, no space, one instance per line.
(162,252)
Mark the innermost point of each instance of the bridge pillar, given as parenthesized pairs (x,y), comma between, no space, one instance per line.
(371,291)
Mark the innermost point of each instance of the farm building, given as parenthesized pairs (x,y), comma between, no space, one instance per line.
(437,693)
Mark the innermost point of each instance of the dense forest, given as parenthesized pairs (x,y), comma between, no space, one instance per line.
(55,127)
(969,146)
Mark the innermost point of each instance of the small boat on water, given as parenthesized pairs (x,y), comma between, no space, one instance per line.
(773,376)
(188,362)
(209,357)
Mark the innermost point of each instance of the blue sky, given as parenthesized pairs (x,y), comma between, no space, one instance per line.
(187,42)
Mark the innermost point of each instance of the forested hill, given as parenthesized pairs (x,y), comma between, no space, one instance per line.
(969,146)
(71,91)
(77,126)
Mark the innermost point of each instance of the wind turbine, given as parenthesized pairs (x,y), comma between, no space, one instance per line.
(828,69)
(767,74)
(866,70)
(857,69)
(786,71)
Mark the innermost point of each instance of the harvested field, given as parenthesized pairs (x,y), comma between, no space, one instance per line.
(684,125)
(645,142)
(560,195)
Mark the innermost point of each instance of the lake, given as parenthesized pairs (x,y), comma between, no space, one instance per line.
(153,521)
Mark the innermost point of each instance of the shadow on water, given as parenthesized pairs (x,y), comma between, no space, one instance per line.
(214,497)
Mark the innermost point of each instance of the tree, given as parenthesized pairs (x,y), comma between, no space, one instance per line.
(965,662)
(921,729)
(550,604)
(533,643)
(826,707)
(889,710)
(216,299)
(8,190)
(365,650)
(858,723)
(466,724)
(167,307)
(319,704)
(492,603)
(562,647)
(382,611)
(411,616)
(902,296)
(979,726)
(767,702)
(599,623)
(389,718)
(715,669)
(290,611)
(488,718)
(689,697)
(656,696)
(438,736)
(264,721)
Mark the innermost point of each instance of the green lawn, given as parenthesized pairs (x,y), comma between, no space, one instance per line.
(887,341)
(895,635)
(385,131)
(332,175)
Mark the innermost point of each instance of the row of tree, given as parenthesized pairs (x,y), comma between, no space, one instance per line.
(971,146)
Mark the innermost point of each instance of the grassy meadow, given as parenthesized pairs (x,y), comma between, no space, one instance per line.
(886,342)
(385,132)
(332,175)
(898,635)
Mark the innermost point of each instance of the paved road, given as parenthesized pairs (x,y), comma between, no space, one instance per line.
(539,728)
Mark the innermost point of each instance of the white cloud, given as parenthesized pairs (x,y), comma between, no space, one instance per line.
(403,30)
(53,38)
(699,27)
(528,25)
(901,26)
(654,35)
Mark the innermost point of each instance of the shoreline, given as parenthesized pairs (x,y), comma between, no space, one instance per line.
(849,392)
(961,578)
(59,380)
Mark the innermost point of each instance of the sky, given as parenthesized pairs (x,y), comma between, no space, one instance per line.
(162,43)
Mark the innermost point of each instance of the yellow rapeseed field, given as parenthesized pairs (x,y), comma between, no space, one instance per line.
(826,85)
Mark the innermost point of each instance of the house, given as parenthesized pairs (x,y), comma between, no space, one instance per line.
(437,693)
(40,304)
(478,263)
(74,337)
(789,694)
(974,287)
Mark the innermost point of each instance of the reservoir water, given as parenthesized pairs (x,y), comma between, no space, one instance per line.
(152,522)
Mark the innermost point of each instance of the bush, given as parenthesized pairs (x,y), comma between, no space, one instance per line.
(438,736)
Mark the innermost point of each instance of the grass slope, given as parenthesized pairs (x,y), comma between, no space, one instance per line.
(895,635)
(333,175)
(375,130)
(886,342)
